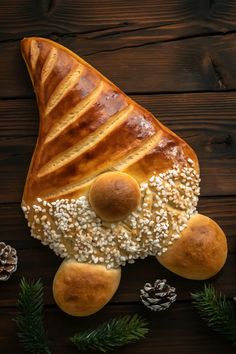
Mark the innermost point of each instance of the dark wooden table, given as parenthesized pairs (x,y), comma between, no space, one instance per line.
(178,59)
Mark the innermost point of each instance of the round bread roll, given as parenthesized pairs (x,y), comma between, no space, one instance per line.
(81,289)
(114,195)
(200,252)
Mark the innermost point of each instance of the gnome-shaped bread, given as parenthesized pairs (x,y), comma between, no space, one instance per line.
(108,184)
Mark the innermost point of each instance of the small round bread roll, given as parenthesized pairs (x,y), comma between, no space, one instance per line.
(200,252)
(81,289)
(114,195)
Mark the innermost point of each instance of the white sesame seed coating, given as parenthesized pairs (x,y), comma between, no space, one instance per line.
(71,228)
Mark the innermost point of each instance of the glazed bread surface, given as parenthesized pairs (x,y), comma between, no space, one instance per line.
(114,195)
(81,289)
(89,127)
(108,183)
(200,252)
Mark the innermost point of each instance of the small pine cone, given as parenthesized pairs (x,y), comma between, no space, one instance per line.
(8,261)
(159,296)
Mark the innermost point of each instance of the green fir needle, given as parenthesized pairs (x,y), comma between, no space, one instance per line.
(29,320)
(113,333)
(217,311)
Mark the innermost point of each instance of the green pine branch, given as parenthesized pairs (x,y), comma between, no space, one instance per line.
(217,311)
(113,333)
(29,320)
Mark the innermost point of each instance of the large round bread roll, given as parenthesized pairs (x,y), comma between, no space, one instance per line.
(81,289)
(200,252)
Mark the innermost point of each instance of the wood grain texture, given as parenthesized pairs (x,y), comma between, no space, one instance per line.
(166,19)
(212,110)
(178,331)
(205,121)
(154,50)
(41,263)
(14,229)
(138,65)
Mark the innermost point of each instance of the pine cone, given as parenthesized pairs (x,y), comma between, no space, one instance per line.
(8,261)
(159,296)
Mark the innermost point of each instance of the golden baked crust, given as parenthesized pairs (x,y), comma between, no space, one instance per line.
(114,195)
(89,126)
(90,134)
(81,289)
(200,252)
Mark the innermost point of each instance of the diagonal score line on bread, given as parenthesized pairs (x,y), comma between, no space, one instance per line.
(88,126)
(63,87)
(78,149)
(115,184)
(49,64)
(74,114)
(139,153)
(34,53)
(123,163)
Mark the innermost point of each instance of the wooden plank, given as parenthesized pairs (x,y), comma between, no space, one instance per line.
(195,64)
(15,159)
(14,229)
(18,118)
(218,176)
(145,65)
(143,50)
(205,121)
(43,263)
(223,12)
(178,330)
(169,19)
(213,110)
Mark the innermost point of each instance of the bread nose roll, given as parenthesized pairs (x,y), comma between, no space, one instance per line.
(114,195)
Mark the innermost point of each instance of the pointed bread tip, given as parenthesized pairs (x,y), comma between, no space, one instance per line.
(26,41)
(25,45)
